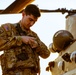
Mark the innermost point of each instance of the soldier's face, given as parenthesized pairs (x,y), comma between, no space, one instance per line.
(28,20)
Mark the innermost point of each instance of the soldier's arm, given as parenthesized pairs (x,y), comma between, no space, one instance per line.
(6,40)
(8,43)
(42,49)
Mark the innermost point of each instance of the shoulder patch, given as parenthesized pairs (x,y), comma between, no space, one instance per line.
(6,27)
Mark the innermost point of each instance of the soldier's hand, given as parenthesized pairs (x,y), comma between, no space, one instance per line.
(33,43)
(30,40)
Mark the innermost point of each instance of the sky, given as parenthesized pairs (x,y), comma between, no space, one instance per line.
(47,24)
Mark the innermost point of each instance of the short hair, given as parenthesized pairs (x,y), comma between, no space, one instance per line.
(32,9)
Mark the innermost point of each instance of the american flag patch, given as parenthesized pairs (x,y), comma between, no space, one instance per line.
(6,27)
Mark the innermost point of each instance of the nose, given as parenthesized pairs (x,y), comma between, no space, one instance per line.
(31,23)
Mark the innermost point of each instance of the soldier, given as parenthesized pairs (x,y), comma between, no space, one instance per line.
(22,46)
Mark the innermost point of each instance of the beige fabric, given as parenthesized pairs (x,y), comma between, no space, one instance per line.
(71,24)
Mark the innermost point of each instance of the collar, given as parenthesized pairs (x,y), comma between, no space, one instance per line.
(25,30)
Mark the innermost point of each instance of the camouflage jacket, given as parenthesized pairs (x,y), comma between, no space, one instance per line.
(16,53)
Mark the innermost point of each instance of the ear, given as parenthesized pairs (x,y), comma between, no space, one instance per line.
(23,13)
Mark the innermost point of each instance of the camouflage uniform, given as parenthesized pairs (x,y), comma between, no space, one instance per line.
(19,58)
